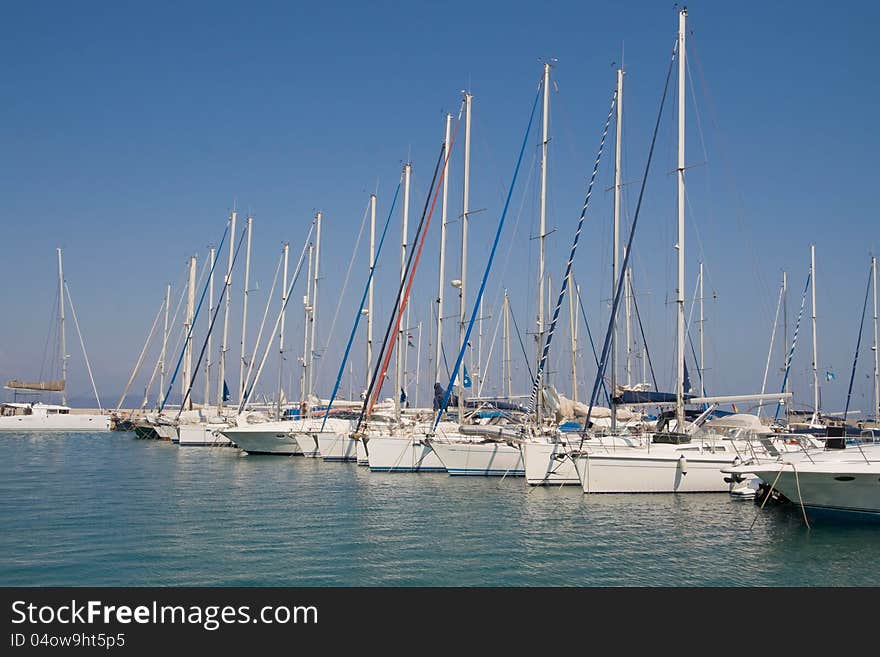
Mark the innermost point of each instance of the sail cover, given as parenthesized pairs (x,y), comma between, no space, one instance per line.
(50,386)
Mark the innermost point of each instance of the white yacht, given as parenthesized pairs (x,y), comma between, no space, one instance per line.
(37,416)
(840,477)
(278,437)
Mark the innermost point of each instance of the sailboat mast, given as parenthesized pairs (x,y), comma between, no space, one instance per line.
(545,140)
(303,382)
(785,323)
(572,331)
(627,291)
(444,216)
(815,346)
(190,311)
(465,202)
(223,349)
(164,344)
(876,358)
(61,329)
(679,379)
(211,256)
(247,278)
(507,342)
(370,293)
(284,291)
(407,173)
(313,314)
(615,266)
(702,352)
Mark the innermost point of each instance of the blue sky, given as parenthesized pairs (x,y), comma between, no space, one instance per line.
(129,130)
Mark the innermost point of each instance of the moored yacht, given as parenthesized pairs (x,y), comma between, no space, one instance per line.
(37,416)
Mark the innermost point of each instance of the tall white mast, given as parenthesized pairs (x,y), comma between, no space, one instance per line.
(478,370)
(418,365)
(702,352)
(679,379)
(247,279)
(303,383)
(313,314)
(876,358)
(507,342)
(785,326)
(284,291)
(164,346)
(228,283)
(815,347)
(615,264)
(444,215)
(572,326)
(465,202)
(545,140)
(398,381)
(211,256)
(61,329)
(370,294)
(190,311)
(627,294)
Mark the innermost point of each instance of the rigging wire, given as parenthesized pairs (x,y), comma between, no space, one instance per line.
(357,318)
(858,345)
(409,275)
(192,326)
(226,281)
(627,252)
(546,350)
(479,297)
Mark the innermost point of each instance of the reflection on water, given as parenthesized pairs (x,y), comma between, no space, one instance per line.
(111,510)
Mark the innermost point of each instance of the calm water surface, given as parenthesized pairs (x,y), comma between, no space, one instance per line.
(111,510)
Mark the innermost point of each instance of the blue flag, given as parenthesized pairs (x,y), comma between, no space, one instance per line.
(465,379)
(829,376)
(225,391)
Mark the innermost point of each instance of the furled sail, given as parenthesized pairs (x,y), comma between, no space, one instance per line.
(49,386)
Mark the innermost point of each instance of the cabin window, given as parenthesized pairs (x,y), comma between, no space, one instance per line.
(844,478)
(51,411)
(64,411)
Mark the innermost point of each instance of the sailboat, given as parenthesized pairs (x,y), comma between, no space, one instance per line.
(18,416)
(682,460)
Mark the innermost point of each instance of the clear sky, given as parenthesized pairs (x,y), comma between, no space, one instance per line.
(129,130)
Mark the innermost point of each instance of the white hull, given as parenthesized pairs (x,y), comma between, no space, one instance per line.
(402,455)
(165,431)
(826,490)
(59,422)
(20,416)
(265,438)
(337,447)
(655,470)
(202,435)
(308,445)
(480,459)
(843,481)
(361,451)
(548,464)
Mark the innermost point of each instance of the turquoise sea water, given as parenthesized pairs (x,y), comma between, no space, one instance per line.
(111,510)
